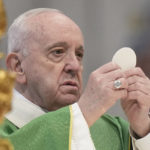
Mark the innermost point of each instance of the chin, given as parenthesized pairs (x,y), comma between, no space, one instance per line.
(69,99)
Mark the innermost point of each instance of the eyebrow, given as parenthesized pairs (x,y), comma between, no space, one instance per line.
(64,44)
(80,48)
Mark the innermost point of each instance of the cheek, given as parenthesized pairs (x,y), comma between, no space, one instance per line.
(49,76)
(80,78)
(43,72)
(44,84)
(81,72)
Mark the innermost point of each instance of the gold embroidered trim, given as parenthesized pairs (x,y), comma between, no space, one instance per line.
(70,130)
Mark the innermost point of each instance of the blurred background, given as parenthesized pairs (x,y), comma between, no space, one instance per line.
(106,25)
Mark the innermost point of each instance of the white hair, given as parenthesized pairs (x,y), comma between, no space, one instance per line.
(19,33)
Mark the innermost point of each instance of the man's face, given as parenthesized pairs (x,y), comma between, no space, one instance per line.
(53,67)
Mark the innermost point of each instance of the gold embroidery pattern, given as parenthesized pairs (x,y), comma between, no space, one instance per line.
(2,19)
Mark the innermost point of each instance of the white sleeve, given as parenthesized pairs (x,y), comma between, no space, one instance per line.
(142,143)
(81,138)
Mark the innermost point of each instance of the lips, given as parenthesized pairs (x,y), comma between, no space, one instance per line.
(70,88)
(70,83)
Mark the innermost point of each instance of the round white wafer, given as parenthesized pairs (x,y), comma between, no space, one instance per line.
(125,58)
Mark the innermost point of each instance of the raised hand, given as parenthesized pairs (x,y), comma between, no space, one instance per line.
(137,103)
(100,93)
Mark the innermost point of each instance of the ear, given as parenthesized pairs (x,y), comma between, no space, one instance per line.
(13,62)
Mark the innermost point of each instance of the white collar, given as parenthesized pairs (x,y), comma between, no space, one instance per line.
(23,110)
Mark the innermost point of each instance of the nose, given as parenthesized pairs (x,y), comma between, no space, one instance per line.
(73,65)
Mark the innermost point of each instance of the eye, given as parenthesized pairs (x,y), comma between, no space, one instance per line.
(79,55)
(57,52)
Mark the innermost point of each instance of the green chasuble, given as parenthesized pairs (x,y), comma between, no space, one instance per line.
(53,130)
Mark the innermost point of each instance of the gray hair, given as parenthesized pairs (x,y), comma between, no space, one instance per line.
(19,33)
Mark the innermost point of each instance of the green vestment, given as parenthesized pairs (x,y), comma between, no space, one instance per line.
(52,131)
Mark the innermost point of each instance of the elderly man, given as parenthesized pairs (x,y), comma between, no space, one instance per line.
(46,49)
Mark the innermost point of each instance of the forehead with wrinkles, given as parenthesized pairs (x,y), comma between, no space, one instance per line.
(46,23)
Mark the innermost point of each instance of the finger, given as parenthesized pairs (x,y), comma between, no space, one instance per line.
(135,79)
(121,94)
(108,68)
(139,87)
(126,104)
(135,71)
(114,75)
(141,98)
(124,84)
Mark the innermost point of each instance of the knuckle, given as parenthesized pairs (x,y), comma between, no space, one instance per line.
(114,65)
(139,70)
(93,74)
(119,74)
(129,80)
(123,80)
